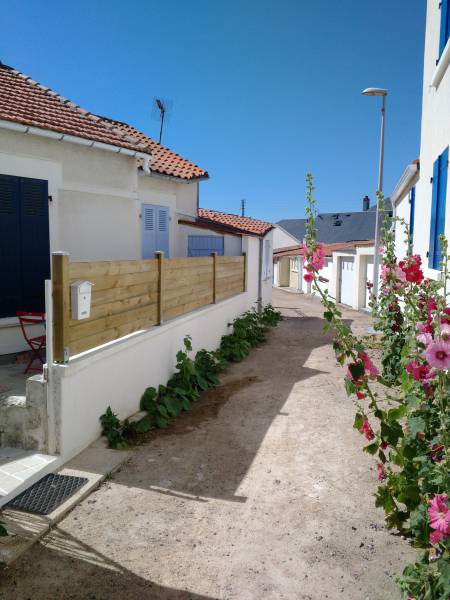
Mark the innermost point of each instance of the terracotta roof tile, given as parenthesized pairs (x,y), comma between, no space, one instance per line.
(163,160)
(24,101)
(235,222)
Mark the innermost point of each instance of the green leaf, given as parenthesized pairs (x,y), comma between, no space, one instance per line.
(416,425)
(357,370)
(396,413)
(358,422)
(172,404)
(161,422)
(144,425)
(328,316)
(371,448)
(350,387)
(186,405)
(148,399)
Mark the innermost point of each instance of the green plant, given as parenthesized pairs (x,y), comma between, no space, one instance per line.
(3,531)
(408,427)
(112,429)
(192,377)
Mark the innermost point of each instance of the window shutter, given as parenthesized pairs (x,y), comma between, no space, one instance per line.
(412,207)
(148,231)
(445,25)
(203,245)
(437,222)
(162,232)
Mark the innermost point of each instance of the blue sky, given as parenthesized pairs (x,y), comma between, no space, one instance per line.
(262,91)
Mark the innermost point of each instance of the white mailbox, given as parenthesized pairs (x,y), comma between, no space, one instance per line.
(80,293)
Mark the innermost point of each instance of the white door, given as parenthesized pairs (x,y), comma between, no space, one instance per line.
(276,278)
(369,277)
(347,280)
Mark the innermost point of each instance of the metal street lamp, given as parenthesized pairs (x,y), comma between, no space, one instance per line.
(376,263)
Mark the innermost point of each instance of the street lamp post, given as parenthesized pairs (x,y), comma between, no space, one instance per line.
(376,262)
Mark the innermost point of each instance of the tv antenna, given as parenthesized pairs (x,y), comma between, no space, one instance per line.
(161,108)
(243,201)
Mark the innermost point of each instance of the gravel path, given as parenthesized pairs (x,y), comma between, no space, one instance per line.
(260,492)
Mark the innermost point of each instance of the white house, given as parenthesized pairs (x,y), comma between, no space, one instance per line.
(91,186)
(403,200)
(430,216)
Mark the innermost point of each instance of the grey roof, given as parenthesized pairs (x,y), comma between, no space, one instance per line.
(336,227)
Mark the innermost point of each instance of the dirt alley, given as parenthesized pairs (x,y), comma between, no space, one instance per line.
(260,492)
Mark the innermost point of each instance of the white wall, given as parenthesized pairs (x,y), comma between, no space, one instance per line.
(283,239)
(361,256)
(435,136)
(117,376)
(402,210)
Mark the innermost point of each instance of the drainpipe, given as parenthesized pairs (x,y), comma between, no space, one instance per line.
(260,272)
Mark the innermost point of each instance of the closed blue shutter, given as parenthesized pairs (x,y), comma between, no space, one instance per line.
(148,231)
(24,244)
(437,222)
(155,230)
(162,231)
(204,245)
(445,25)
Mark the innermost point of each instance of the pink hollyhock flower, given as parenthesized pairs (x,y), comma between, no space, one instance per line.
(439,514)
(308,277)
(437,355)
(436,537)
(424,338)
(360,395)
(318,258)
(445,332)
(367,430)
(421,327)
(369,367)
(400,273)
(381,473)
(384,445)
(381,250)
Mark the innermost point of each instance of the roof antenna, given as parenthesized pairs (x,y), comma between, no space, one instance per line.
(243,201)
(161,111)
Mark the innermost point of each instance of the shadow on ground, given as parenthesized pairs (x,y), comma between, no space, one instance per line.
(97,577)
(193,461)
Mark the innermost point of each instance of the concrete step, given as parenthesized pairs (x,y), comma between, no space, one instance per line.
(20,469)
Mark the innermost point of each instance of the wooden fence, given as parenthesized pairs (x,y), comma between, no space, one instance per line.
(128,296)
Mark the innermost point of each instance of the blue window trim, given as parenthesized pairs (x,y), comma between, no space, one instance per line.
(445,26)
(437,220)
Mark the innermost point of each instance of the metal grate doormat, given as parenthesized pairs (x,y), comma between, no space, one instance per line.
(47,494)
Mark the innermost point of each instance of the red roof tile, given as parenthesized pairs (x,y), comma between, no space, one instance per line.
(240,224)
(163,160)
(25,101)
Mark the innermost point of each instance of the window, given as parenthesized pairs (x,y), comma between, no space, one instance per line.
(294,264)
(267,252)
(204,245)
(445,26)
(155,230)
(437,221)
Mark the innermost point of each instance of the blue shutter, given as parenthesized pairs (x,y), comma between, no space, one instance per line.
(203,245)
(155,230)
(437,223)
(445,25)
(148,231)
(412,208)
(162,230)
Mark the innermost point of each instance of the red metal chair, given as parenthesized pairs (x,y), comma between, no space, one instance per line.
(37,344)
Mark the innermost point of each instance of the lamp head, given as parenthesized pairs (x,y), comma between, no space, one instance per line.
(374,92)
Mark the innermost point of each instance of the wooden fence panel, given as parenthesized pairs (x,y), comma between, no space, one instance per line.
(128,296)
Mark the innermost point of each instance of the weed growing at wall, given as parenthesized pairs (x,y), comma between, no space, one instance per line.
(192,377)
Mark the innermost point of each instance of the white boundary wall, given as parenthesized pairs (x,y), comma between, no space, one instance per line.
(116,374)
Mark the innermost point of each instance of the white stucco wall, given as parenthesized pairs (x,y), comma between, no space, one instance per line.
(402,210)
(283,239)
(435,136)
(361,257)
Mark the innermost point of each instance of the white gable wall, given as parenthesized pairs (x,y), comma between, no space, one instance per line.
(435,135)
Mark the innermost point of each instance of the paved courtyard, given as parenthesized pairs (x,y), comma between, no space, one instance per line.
(260,492)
